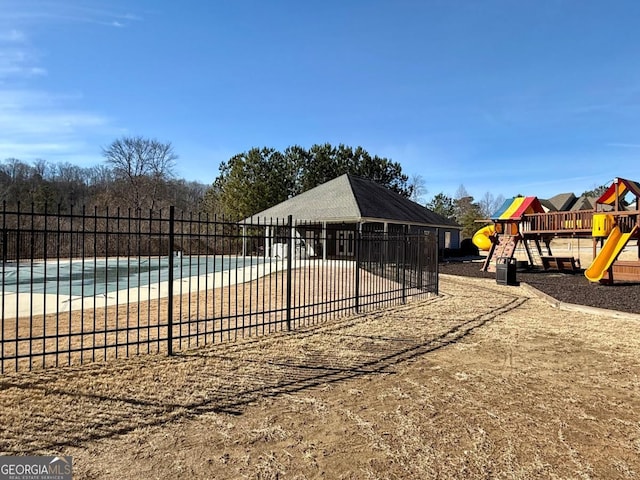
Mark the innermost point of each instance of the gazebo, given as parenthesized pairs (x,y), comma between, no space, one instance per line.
(326,217)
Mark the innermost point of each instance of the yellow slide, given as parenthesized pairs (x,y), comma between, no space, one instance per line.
(612,247)
(481,237)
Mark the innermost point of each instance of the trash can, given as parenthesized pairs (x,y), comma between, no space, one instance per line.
(506,271)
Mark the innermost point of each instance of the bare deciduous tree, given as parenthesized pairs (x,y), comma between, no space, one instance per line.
(418,188)
(489,204)
(144,166)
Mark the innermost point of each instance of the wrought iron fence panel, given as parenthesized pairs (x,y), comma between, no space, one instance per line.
(87,285)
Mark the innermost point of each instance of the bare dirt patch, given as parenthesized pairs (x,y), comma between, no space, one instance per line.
(485,381)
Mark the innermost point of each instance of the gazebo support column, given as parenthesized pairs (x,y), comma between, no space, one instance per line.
(324,240)
(244,241)
(267,241)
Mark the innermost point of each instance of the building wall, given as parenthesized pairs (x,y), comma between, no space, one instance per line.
(340,237)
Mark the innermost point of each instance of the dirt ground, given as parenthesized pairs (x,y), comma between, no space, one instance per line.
(485,381)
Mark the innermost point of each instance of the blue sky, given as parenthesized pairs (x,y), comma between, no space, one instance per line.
(502,96)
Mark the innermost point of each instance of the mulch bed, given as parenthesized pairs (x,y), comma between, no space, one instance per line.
(564,287)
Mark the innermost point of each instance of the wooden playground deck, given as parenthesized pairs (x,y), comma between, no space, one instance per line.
(542,227)
(578,223)
(525,221)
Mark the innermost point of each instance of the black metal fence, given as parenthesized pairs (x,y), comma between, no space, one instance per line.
(86,286)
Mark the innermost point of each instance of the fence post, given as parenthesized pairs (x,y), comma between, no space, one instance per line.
(437,248)
(420,250)
(290,255)
(18,237)
(404,264)
(5,237)
(170,286)
(358,238)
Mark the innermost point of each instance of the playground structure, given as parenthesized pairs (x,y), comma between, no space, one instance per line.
(522,221)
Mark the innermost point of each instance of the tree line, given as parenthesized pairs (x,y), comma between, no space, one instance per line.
(464,209)
(255,180)
(139,174)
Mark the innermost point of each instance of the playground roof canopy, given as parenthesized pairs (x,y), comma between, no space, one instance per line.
(514,208)
(618,189)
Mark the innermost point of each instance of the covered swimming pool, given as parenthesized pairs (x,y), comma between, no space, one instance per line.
(90,277)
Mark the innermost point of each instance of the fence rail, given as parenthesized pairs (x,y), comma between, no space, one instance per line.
(85,286)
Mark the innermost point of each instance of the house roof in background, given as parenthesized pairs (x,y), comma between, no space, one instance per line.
(547,205)
(349,198)
(583,203)
(563,201)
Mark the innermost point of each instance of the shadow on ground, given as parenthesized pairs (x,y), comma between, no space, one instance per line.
(45,411)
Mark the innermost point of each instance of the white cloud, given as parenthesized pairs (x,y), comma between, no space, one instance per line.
(13,36)
(75,152)
(32,12)
(36,122)
(22,122)
(53,135)
(39,124)
(18,59)
(37,71)
(624,145)
(14,62)
(16,149)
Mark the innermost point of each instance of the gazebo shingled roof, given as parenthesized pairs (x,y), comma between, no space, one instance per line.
(353,199)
